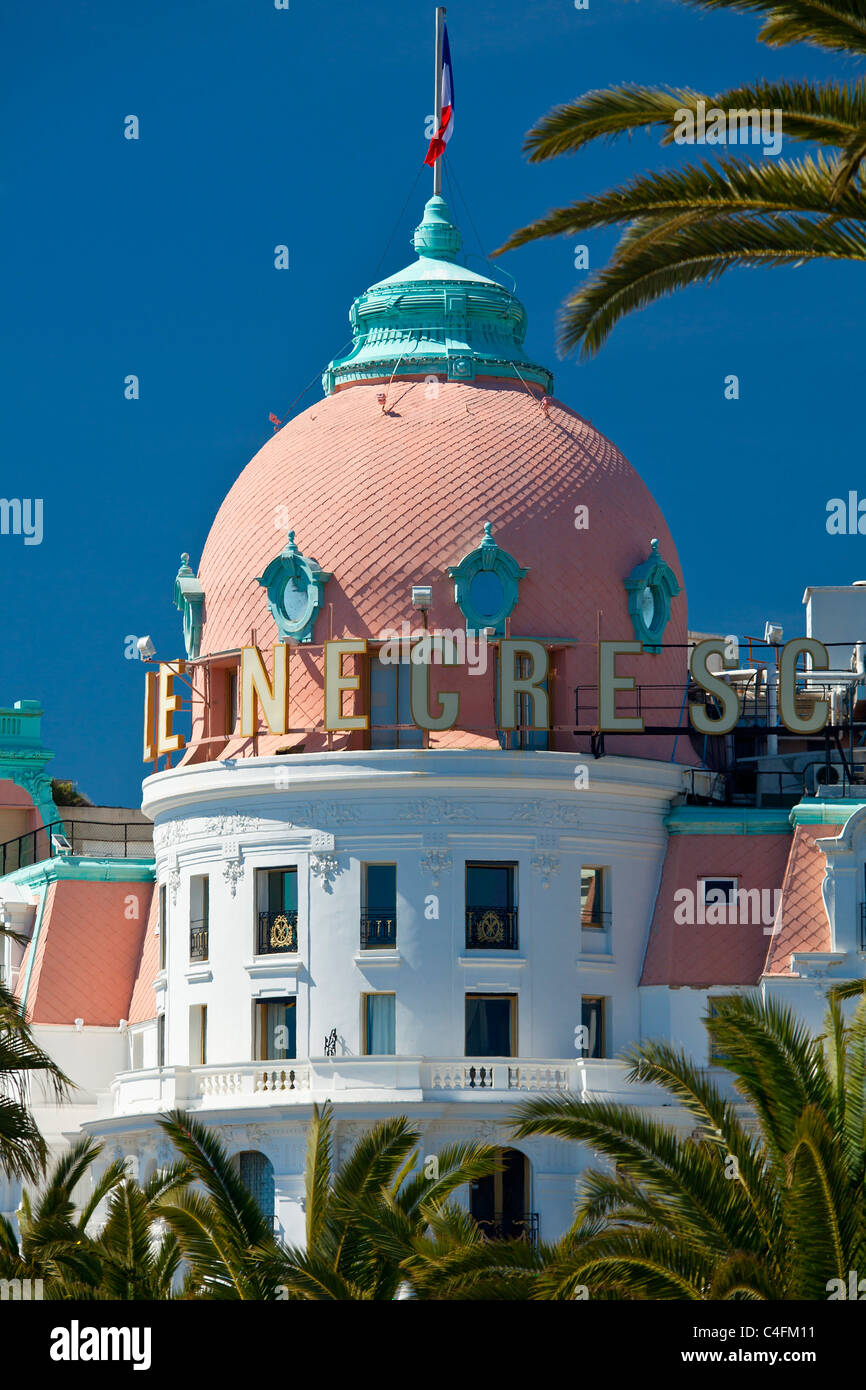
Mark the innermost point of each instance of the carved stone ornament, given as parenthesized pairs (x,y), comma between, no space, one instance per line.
(436,862)
(546,865)
(325,867)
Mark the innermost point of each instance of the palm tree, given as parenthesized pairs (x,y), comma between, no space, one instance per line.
(53,1245)
(138,1258)
(23,1152)
(692,224)
(375,1226)
(774,1210)
(452,1260)
(222,1234)
(129,1259)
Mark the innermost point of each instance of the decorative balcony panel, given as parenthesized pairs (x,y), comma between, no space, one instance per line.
(378,932)
(198,943)
(491,928)
(278,931)
(500,1227)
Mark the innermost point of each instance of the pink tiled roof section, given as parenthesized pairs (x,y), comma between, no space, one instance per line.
(88,951)
(722,954)
(143,1005)
(804,925)
(386,501)
(13,795)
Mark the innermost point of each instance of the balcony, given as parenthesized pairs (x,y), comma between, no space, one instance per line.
(399,1081)
(278,932)
(378,932)
(491,928)
(523,1227)
(595,920)
(198,942)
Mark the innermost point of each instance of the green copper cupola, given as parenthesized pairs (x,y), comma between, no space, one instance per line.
(437,318)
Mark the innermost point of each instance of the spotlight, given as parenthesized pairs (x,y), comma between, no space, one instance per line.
(773,633)
(146,649)
(422,596)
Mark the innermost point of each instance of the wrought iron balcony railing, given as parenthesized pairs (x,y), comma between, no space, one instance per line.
(378,931)
(491,928)
(501,1227)
(198,941)
(278,931)
(595,920)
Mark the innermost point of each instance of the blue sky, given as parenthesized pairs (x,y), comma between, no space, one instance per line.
(306,127)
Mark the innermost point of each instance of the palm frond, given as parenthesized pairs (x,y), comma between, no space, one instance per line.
(839,25)
(808,185)
(318,1173)
(684,251)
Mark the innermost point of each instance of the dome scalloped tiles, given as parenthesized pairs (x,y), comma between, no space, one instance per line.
(384,501)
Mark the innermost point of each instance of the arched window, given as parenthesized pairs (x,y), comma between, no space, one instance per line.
(499,1203)
(257,1173)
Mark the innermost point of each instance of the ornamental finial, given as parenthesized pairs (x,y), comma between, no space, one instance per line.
(436,236)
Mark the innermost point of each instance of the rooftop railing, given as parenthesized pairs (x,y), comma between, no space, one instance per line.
(86,839)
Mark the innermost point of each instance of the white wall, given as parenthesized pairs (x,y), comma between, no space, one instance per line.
(400,807)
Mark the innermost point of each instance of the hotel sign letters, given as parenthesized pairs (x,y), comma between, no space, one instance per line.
(266,697)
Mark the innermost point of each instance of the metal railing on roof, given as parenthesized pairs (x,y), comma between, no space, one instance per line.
(85,839)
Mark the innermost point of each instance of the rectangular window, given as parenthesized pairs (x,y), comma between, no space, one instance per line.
(593,895)
(277,891)
(491,906)
(592,1017)
(523,736)
(715,892)
(199,912)
(276,1030)
(379,1025)
(390,705)
(160,1040)
(379,910)
(136,1046)
(198,1035)
(163,926)
(491,1025)
(231,701)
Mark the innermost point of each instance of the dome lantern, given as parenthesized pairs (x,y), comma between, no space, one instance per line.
(438,318)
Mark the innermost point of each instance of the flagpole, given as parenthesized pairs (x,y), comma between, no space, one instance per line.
(440,25)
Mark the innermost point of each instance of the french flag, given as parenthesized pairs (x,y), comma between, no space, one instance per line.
(446,129)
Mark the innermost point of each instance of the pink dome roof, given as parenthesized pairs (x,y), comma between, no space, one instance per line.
(385,501)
